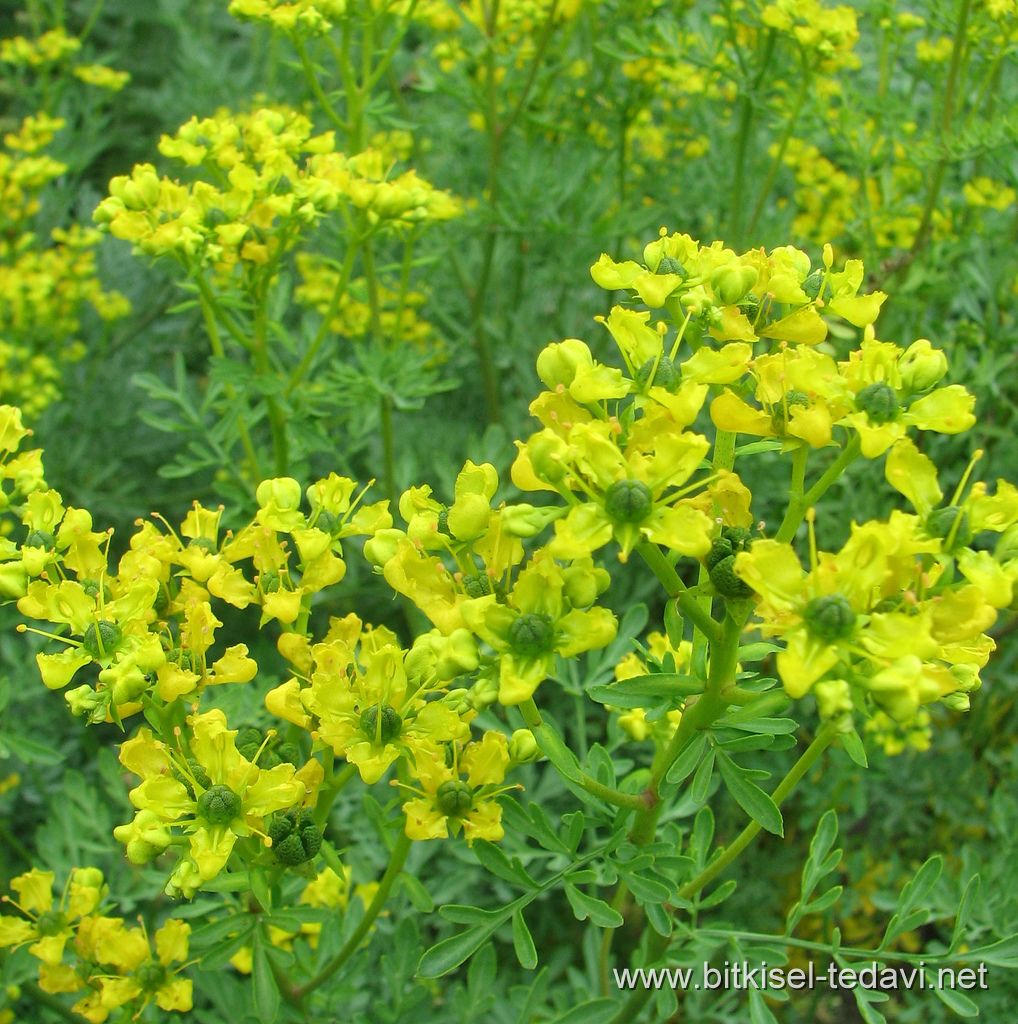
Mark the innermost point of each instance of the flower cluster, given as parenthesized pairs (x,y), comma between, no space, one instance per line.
(47,285)
(267,179)
(109,964)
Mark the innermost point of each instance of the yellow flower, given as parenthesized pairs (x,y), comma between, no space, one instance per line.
(213,793)
(446,802)
(535,623)
(49,928)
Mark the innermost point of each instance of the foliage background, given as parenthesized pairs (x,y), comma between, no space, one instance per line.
(639,114)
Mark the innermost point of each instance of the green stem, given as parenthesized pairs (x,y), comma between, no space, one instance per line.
(779,156)
(798,507)
(388,448)
(323,329)
(316,87)
(746,112)
(396,861)
(607,938)
(659,943)
(893,955)
(696,716)
(675,588)
(263,368)
(207,304)
(795,775)
(946,119)
(327,794)
(555,750)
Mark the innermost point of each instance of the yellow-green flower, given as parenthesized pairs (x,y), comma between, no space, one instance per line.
(534,624)
(447,803)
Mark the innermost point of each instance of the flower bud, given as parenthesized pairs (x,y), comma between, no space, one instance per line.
(283,494)
(921,366)
(548,453)
(834,698)
(732,281)
(559,362)
(382,548)
(528,520)
(523,747)
(84,702)
(583,584)
(957,701)
(483,693)
(967,676)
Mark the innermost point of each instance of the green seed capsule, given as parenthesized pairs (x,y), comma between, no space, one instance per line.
(726,583)
(219,805)
(382,729)
(455,798)
(628,501)
(670,265)
(532,635)
(151,976)
(830,618)
(879,402)
(781,411)
(478,585)
(940,522)
(102,638)
(665,375)
(50,923)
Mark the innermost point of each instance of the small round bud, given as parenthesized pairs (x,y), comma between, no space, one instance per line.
(283,492)
(532,635)
(101,639)
(381,724)
(732,282)
(628,501)
(921,366)
(523,747)
(829,618)
(219,805)
(878,401)
(454,798)
(483,693)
